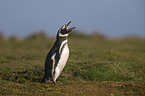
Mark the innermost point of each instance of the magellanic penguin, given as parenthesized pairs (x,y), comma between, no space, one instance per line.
(57,56)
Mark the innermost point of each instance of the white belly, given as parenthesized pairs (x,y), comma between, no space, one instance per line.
(62,62)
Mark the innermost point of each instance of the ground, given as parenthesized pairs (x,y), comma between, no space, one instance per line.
(97,66)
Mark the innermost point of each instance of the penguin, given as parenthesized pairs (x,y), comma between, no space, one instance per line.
(58,55)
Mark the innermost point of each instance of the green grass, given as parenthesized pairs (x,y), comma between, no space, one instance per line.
(96,66)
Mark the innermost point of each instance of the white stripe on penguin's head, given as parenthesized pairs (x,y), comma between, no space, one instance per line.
(64,31)
(60,30)
(63,27)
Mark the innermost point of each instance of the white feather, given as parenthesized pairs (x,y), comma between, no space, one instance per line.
(62,62)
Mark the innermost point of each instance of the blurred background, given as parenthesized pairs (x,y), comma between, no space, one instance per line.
(107,49)
(112,18)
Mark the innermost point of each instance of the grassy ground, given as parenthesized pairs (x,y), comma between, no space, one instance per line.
(96,66)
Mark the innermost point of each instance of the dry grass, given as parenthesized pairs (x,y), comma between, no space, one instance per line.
(96,66)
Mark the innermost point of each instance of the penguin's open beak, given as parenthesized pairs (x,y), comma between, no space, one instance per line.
(68,23)
(69,29)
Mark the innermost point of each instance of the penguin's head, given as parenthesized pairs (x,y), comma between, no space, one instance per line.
(64,30)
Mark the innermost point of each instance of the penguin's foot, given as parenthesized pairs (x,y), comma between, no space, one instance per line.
(59,84)
(44,80)
(54,82)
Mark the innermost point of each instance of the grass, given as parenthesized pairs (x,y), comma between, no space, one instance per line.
(96,66)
